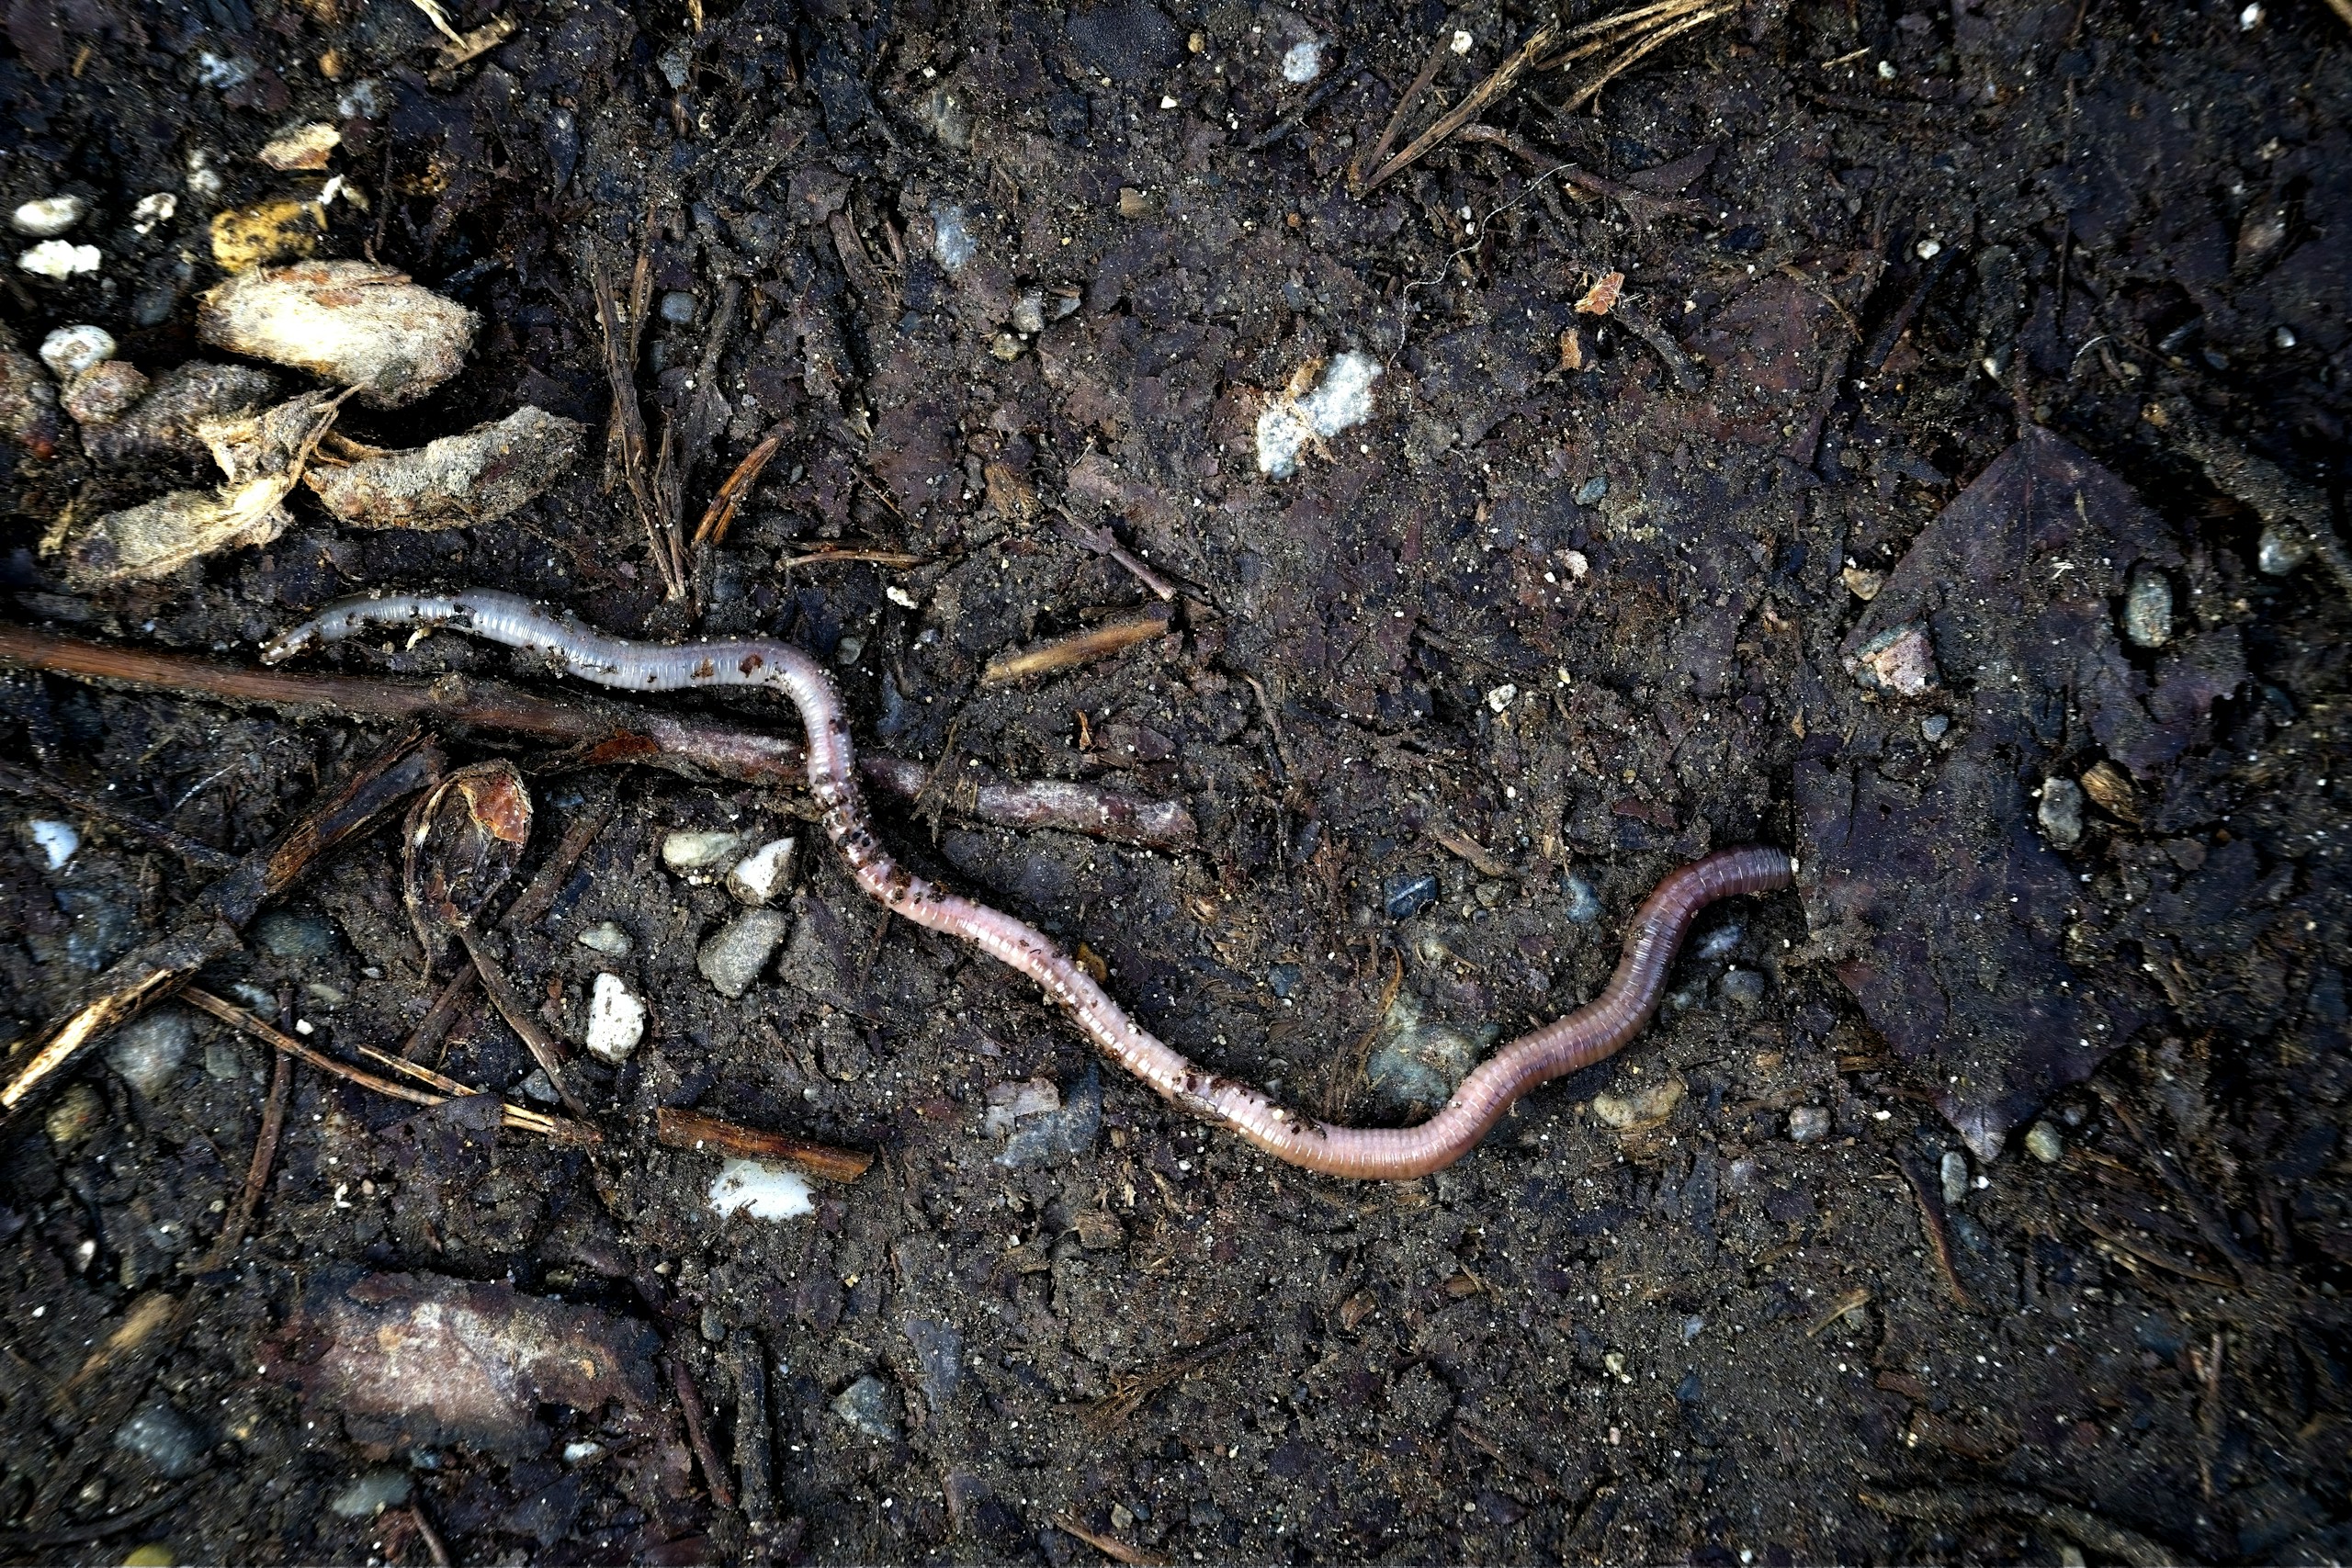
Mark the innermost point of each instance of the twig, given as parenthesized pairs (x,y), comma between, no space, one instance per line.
(1274,726)
(435,1547)
(210,929)
(1109,1546)
(1289,119)
(1639,204)
(535,1039)
(2208,1412)
(1874,356)
(1686,375)
(1128,1398)
(439,1016)
(1103,542)
(754,1456)
(698,1433)
(273,1123)
(1372,156)
(1481,859)
(2148,1251)
(2209,1223)
(628,426)
(713,529)
(1497,83)
(535,898)
(202,856)
(609,733)
(1937,1228)
(1079,648)
(872,557)
(1959,1506)
(692,1131)
(1850,1302)
(1633,56)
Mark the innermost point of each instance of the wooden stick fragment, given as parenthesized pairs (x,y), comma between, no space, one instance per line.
(1371,155)
(1939,1231)
(1098,641)
(714,522)
(693,1133)
(1110,1546)
(1499,81)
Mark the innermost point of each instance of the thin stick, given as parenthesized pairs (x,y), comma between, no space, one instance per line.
(439,1016)
(434,1545)
(693,1132)
(535,898)
(698,1433)
(202,856)
(714,522)
(1626,61)
(873,558)
(273,1123)
(1379,150)
(1103,542)
(1109,1546)
(1498,83)
(1079,648)
(535,1039)
(1932,1221)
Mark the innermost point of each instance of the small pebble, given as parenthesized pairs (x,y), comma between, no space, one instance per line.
(2046,1143)
(732,960)
(1743,988)
(381,1488)
(1593,490)
(154,209)
(59,259)
(1808,1124)
(2147,608)
(69,351)
(678,307)
(1006,347)
(105,392)
(48,217)
(1502,696)
(221,1062)
(1693,1327)
(758,877)
(1584,904)
(1934,726)
(1900,661)
(74,1116)
(1863,583)
(580,1451)
(148,1051)
(2062,812)
(871,1407)
(163,1437)
(616,1020)
(294,937)
(2281,550)
(689,850)
(1639,1106)
(1720,942)
(608,939)
(1405,896)
(58,841)
(1416,1061)
(1954,1172)
(540,1089)
(1029,312)
(762,1191)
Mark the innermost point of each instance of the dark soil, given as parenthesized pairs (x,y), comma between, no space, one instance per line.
(1588,623)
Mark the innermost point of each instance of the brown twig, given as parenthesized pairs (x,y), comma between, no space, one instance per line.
(1103,542)
(871,556)
(712,531)
(210,929)
(516,1012)
(1633,56)
(1109,1546)
(2209,1223)
(435,1547)
(754,1441)
(439,1016)
(1938,1227)
(273,1123)
(611,732)
(698,1433)
(1677,364)
(2147,1251)
(202,856)
(1497,83)
(695,1133)
(1851,1301)
(1481,859)
(627,433)
(1639,204)
(1098,641)
(539,894)
(1129,1396)
(1371,155)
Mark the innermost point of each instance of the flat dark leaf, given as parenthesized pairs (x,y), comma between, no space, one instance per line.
(1954,909)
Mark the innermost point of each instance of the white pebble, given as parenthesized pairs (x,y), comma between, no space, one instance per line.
(2249,19)
(1502,696)
(154,209)
(608,939)
(56,840)
(689,850)
(762,1191)
(1928,250)
(59,258)
(69,351)
(49,216)
(1461,41)
(616,1019)
(758,876)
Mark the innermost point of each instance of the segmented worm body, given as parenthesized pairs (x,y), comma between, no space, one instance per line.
(1583,1037)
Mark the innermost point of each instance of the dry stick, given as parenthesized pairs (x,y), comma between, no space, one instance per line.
(500,992)
(1686,375)
(1103,542)
(1626,61)
(872,557)
(692,1131)
(536,899)
(1938,1232)
(1079,648)
(211,928)
(1503,78)
(2209,1223)
(616,732)
(439,1016)
(2343,9)
(1379,150)
(1116,1407)
(698,1433)
(1109,1546)
(2149,1252)
(1639,204)
(754,1452)
(714,522)
(202,856)
(273,1123)
(434,1546)
(628,427)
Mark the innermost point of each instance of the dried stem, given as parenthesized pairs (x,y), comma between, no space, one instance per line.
(695,1133)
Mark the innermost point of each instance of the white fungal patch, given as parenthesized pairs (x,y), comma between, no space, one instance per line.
(1341,400)
(762,1191)
(1302,62)
(57,841)
(49,216)
(616,1019)
(59,258)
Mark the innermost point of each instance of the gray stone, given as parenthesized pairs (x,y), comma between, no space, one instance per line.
(939,1360)
(1584,904)
(2062,812)
(1416,1062)
(148,1051)
(381,1488)
(2281,549)
(2044,1142)
(1808,1124)
(872,1406)
(2147,608)
(1934,726)
(165,1439)
(1051,1136)
(293,937)
(1743,988)
(733,959)
(1954,1172)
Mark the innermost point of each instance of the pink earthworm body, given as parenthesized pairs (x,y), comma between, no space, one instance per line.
(1587,1035)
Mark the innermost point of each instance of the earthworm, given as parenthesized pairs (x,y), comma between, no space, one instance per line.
(1591,1033)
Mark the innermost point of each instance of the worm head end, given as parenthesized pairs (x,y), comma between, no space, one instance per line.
(287,643)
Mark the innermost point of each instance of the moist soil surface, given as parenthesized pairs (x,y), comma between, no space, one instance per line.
(1981,1199)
